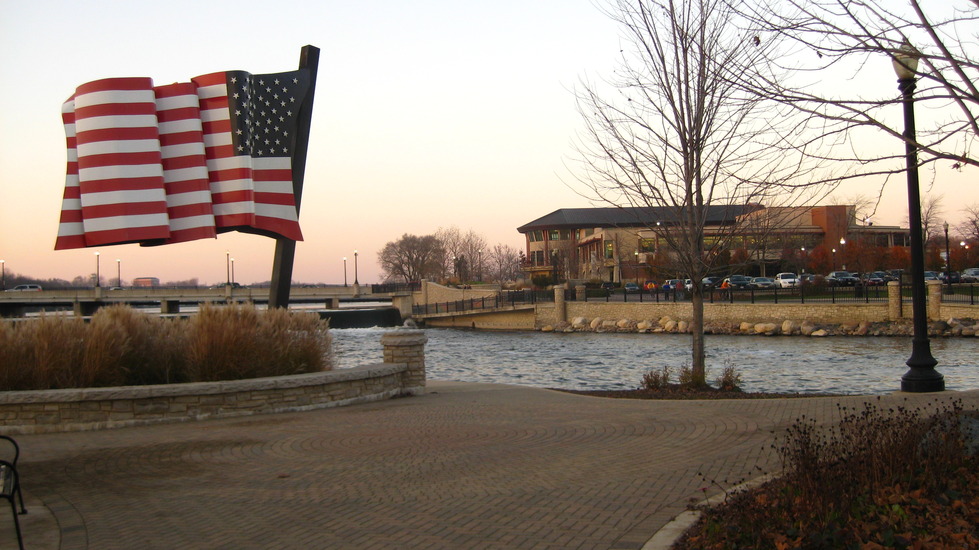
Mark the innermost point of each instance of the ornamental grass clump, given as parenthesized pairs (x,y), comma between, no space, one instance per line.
(121,346)
(882,478)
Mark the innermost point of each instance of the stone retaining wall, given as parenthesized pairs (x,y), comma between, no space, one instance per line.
(402,373)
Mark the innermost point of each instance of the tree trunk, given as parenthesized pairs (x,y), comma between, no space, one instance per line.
(699,369)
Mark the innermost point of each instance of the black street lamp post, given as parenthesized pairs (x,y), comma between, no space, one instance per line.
(948,261)
(98,266)
(356,282)
(921,375)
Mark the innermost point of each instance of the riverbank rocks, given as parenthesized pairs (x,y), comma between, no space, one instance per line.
(957,328)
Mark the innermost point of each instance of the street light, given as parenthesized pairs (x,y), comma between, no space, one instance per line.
(3,274)
(344,271)
(948,260)
(356,282)
(97,268)
(843,253)
(232,270)
(118,273)
(921,375)
(803,259)
(834,260)
(637,266)
(227,266)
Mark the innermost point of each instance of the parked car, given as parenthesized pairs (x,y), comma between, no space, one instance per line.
(970,275)
(807,279)
(944,277)
(761,283)
(870,279)
(710,282)
(608,285)
(887,277)
(931,275)
(786,280)
(631,288)
(27,288)
(842,278)
(738,281)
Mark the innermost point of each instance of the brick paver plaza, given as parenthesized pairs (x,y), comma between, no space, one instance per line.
(465,466)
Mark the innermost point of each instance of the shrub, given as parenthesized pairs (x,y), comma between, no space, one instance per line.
(729,380)
(121,346)
(656,380)
(880,478)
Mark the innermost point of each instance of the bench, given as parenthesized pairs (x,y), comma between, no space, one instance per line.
(10,482)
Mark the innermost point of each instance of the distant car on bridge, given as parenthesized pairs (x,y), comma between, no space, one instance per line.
(27,288)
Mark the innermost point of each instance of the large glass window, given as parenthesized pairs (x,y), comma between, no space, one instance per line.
(609,250)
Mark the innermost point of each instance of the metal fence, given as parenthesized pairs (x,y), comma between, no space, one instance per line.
(802,294)
(391,288)
(506,298)
(960,294)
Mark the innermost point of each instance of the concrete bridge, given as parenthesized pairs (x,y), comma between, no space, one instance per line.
(85,301)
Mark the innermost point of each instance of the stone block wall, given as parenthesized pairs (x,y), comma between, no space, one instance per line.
(402,373)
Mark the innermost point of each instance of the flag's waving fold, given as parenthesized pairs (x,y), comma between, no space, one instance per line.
(182,161)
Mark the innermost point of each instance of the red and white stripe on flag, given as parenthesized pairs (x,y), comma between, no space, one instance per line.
(71,233)
(120,176)
(185,177)
(248,192)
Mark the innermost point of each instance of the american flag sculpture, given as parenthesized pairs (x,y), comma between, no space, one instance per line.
(184,161)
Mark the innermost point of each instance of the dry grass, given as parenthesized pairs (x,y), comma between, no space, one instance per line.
(121,346)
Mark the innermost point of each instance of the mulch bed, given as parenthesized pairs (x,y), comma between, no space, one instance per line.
(675,391)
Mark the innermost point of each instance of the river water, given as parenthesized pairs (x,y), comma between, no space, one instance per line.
(585,360)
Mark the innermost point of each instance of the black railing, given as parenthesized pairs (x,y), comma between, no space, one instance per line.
(803,294)
(960,294)
(390,288)
(506,298)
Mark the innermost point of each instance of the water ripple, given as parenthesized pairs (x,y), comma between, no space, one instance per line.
(618,361)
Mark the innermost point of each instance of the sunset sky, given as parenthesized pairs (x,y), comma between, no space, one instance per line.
(428,114)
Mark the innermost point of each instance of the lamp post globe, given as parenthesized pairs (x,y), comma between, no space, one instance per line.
(921,375)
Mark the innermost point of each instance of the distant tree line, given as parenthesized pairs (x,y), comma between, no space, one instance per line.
(448,255)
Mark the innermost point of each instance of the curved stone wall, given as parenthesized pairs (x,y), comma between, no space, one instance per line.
(402,373)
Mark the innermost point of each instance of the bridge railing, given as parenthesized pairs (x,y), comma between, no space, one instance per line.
(390,288)
(506,298)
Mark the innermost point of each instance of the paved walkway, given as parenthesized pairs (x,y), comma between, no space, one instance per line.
(466,466)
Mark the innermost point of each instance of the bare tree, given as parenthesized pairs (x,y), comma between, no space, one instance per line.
(677,134)
(504,263)
(969,228)
(412,258)
(843,38)
(932,210)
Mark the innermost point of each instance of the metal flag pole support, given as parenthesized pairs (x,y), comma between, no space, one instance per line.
(285,249)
